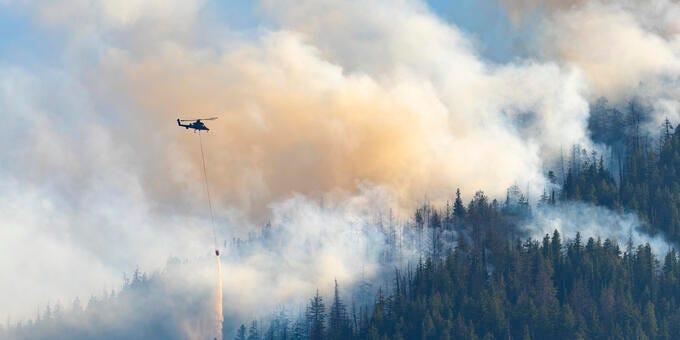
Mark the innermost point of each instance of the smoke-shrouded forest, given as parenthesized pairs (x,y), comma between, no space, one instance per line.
(471,269)
(644,175)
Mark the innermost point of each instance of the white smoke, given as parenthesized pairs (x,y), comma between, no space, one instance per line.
(308,245)
(569,218)
(625,56)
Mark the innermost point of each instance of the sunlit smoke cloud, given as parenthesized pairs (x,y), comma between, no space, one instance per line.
(405,104)
(624,48)
(415,111)
(621,57)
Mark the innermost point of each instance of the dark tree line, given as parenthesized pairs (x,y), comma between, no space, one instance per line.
(578,289)
(533,289)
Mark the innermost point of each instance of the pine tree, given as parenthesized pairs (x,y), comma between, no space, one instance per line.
(298,331)
(316,316)
(338,323)
(253,331)
(458,208)
(241,333)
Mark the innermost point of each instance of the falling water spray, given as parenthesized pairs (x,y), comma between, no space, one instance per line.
(218,305)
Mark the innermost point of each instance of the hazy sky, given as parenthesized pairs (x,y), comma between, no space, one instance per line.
(318,101)
(21,41)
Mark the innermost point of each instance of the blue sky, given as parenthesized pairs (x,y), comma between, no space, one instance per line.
(22,42)
(486,22)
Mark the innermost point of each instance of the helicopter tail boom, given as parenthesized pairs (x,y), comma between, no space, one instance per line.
(179,122)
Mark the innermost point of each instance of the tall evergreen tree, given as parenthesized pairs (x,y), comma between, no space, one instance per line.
(338,321)
(316,316)
(458,208)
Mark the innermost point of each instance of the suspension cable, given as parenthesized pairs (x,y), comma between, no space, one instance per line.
(207,190)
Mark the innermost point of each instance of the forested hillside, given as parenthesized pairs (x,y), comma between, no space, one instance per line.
(488,288)
(647,167)
(532,290)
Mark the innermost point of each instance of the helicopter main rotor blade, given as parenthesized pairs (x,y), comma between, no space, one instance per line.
(193,120)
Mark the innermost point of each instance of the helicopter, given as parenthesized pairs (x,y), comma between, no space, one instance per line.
(196,124)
